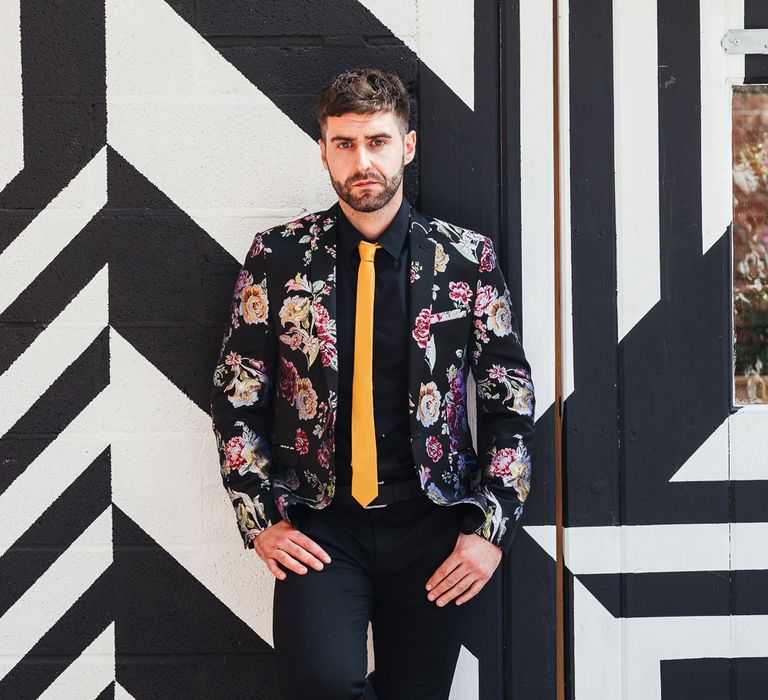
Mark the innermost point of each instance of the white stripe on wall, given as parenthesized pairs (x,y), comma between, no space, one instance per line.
(50,596)
(537,196)
(193,125)
(636,154)
(89,673)
(441,34)
(734,451)
(718,70)
(620,658)
(53,471)
(566,274)
(11,114)
(642,549)
(148,413)
(57,347)
(53,229)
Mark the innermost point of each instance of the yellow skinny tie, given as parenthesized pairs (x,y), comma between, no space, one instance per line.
(364,465)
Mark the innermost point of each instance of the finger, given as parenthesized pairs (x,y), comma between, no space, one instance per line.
(298,552)
(311,546)
(448,582)
(443,570)
(289,562)
(277,572)
(462,585)
(472,591)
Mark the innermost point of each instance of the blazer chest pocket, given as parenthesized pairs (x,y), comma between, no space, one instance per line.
(282,454)
(449,315)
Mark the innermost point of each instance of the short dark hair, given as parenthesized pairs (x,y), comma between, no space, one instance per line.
(363,90)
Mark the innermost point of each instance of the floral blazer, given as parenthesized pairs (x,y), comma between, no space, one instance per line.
(274,390)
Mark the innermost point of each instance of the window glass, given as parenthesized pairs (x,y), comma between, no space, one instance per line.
(750,243)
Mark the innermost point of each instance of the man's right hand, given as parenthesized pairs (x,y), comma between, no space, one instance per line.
(283,543)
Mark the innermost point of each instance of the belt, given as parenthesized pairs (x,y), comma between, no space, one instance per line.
(388,493)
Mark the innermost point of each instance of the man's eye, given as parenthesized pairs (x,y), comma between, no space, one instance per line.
(343,144)
(380,142)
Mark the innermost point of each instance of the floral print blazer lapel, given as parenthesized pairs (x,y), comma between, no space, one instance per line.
(275,386)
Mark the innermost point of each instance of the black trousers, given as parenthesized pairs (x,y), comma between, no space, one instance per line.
(381,561)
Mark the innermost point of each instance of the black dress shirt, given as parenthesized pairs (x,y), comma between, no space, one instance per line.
(390,346)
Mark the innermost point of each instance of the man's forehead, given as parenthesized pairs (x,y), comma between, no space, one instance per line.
(368,124)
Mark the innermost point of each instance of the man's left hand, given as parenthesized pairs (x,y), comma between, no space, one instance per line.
(465,571)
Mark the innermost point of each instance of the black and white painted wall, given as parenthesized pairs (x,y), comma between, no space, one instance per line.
(665,483)
(143,143)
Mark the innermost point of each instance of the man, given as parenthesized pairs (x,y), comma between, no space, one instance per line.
(339,409)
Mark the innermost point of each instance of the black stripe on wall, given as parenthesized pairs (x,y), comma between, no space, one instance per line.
(173,637)
(590,424)
(64,109)
(72,391)
(88,617)
(288,50)
(714,679)
(60,523)
(680,594)
(756,17)
(675,371)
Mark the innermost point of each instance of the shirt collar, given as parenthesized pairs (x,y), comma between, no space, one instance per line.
(392,239)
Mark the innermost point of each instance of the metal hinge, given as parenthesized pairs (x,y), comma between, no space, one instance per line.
(743,41)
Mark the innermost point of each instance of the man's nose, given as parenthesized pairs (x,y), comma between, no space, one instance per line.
(363,159)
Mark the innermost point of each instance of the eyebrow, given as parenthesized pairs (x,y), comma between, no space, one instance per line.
(380,135)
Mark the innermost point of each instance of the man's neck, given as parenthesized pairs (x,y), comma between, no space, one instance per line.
(373,223)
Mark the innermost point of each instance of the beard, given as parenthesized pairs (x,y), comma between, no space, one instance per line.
(367,201)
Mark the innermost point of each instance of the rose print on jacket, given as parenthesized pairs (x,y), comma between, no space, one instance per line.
(297,391)
(434,448)
(428,409)
(513,467)
(420,331)
(244,453)
(301,443)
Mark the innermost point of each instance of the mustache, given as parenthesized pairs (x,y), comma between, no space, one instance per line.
(355,180)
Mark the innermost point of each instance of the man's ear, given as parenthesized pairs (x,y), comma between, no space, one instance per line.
(322,152)
(410,146)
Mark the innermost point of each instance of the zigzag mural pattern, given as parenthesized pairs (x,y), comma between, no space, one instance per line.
(153,136)
(664,570)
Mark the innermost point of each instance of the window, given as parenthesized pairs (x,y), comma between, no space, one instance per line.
(750,243)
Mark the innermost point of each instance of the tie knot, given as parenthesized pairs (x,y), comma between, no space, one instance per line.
(367,250)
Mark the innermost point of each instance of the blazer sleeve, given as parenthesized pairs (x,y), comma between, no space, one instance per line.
(505,403)
(240,397)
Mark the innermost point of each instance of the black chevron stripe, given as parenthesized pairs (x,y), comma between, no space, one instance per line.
(77,386)
(64,111)
(51,292)
(174,638)
(108,693)
(178,306)
(290,59)
(58,526)
(88,617)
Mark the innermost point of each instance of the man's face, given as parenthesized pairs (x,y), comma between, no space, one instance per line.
(365,155)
